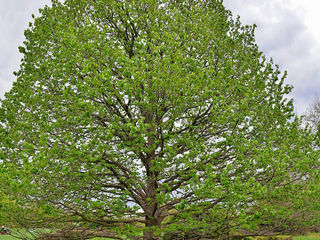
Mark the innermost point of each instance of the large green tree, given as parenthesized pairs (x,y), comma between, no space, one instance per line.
(147,116)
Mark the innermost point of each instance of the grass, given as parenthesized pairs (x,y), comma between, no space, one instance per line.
(311,236)
(9,237)
(17,232)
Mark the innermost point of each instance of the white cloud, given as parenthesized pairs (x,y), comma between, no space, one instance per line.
(288,32)
(14,18)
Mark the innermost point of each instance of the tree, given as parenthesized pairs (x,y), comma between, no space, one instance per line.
(151,117)
(312,115)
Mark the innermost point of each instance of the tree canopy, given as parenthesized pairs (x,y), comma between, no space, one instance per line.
(150,117)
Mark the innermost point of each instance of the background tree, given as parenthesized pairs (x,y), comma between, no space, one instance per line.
(145,117)
(312,114)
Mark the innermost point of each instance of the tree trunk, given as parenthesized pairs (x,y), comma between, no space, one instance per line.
(151,222)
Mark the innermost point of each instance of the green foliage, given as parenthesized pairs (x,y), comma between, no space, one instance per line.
(145,117)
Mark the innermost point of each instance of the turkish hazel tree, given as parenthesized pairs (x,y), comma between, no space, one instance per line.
(153,119)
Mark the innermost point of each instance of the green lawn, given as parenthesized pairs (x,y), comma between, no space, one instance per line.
(17,232)
(7,237)
(311,236)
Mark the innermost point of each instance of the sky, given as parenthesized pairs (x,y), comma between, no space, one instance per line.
(287,31)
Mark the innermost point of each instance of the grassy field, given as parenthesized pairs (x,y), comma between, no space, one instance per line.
(8,237)
(311,236)
(21,232)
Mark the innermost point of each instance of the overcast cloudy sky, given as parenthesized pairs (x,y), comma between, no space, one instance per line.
(288,31)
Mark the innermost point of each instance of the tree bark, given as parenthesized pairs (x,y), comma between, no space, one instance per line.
(151,222)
